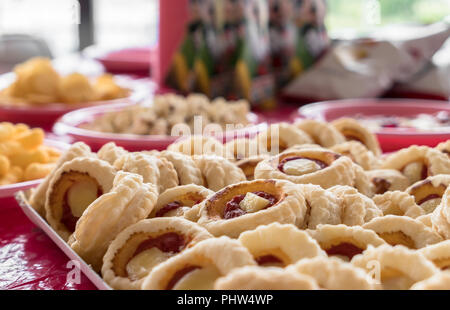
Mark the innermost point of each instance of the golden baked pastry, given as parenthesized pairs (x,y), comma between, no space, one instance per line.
(264,278)
(199,145)
(321,133)
(358,153)
(188,172)
(142,246)
(440,281)
(398,203)
(279,137)
(199,267)
(362,182)
(344,241)
(323,207)
(73,187)
(248,165)
(242,148)
(444,147)
(354,131)
(384,180)
(315,166)
(357,208)
(439,254)
(403,230)
(279,245)
(333,274)
(440,217)
(218,172)
(110,152)
(129,201)
(428,193)
(395,268)
(246,205)
(418,162)
(178,200)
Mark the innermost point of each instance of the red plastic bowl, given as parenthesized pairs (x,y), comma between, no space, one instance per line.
(7,191)
(391,139)
(44,116)
(69,125)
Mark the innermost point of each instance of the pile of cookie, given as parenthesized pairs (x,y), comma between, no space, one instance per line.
(170,110)
(317,207)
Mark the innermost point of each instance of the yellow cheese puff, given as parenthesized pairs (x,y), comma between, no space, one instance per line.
(6,131)
(26,157)
(4,165)
(20,128)
(52,152)
(14,175)
(10,148)
(37,171)
(32,138)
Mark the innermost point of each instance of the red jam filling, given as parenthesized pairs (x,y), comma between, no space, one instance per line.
(268,259)
(233,209)
(321,164)
(170,242)
(429,197)
(168,207)
(344,249)
(381,185)
(68,219)
(180,274)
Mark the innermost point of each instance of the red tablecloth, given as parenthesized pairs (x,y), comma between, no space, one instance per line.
(28,258)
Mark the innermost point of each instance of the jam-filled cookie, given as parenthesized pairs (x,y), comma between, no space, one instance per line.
(146,244)
(37,197)
(358,153)
(110,152)
(188,172)
(344,241)
(279,245)
(129,201)
(268,278)
(440,217)
(398,203)
(354,131)
(384,180)
(439,254)
(73,187)
(199,267)
(322,133)
(403,230)
(315,166)
(246,205)
(357,208)
(418,163)
(333,274)
(278,137)
(440,281)
(242,148)
(428,193)
(248,165)
(396,268)
(218,172)
(323,206)
(179,200)
(199,145)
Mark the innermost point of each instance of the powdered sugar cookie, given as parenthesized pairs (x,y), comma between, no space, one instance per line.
(144,245)
(268,278)
(403,230)
(279,245)
(199,267)
(395,267)
(73,187)
(129,201)
(344,241)
(246,205)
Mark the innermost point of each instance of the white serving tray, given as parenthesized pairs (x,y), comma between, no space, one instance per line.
(42,224)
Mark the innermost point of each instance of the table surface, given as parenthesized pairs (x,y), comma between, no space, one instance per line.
(28,257)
